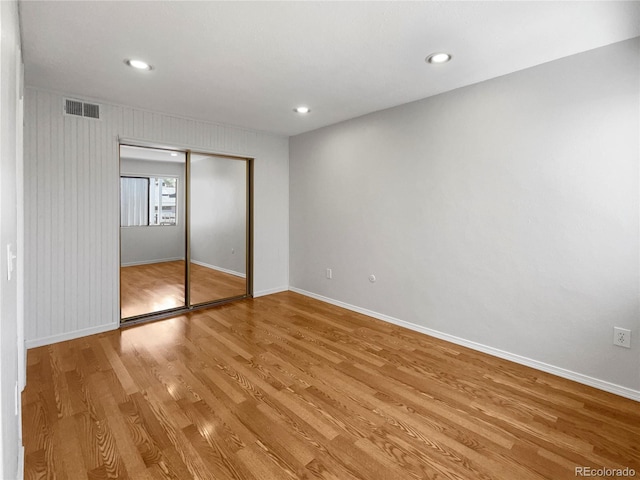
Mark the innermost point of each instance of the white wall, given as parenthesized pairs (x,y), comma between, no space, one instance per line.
(11,343)
(504,213)
(150,244)
(72,208)
(218,213)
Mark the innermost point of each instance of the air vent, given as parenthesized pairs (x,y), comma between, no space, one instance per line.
(91,110)
(81,109)
(73,107)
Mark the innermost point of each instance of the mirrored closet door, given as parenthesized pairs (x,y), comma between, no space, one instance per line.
(184,230)
(152,230)
(218,228)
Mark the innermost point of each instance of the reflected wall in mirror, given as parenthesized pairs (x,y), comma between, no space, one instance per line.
(218,228)
(152,230)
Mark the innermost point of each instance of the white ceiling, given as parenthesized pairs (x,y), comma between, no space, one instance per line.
(250,63)
(151,154)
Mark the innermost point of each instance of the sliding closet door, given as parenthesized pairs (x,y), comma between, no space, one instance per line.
(218,228)
(185,226)
(152,231)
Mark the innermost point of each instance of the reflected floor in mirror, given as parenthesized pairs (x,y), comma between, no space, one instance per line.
(150,288)
(160,286)
(208,284)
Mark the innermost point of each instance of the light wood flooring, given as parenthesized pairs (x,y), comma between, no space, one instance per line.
(159,286)
(286,387)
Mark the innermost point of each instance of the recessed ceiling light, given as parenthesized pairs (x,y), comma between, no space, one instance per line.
(174,154)
(302,109)
(139,64)
(438,58)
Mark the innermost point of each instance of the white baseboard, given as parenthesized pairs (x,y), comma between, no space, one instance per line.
(220,269)
(270,291)
(149,262)
(39,342)
(545,367)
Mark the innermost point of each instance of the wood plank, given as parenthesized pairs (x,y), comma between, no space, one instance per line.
(286,387)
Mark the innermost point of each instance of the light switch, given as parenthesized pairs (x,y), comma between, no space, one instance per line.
(10,258)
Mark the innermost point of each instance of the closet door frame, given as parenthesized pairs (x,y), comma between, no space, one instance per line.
(249,163)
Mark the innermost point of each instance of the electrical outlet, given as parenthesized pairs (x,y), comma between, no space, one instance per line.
(329,274)
(622,337)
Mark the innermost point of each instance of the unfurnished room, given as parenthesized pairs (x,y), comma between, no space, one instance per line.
(319,240)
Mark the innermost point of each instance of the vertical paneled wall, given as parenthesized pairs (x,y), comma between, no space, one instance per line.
(71,208)
(11,360)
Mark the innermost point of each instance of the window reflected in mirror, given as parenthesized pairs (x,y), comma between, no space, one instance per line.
(148,201)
